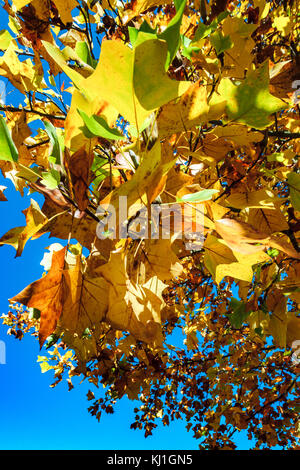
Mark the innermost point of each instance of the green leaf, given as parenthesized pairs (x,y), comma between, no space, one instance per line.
(83,51)
(294,187)
(276,157)
(172,33)
(145,28)
(220,43)
(273,252)
(51,179)
(199,196)
(98,127)
(132,81)
(51,131)
(250,102)
(133,34)
(188,47)
(239,314)
(8,150)
(204,30)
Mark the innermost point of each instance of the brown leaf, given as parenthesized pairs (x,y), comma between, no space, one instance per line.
(2,197)
(46,295)
(241,237)
(79,165)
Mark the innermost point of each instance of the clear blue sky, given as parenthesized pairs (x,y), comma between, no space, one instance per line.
(33,415)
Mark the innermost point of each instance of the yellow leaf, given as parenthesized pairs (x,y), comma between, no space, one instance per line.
(277,304)
(141,5)
(21,3)
(147,182)
(18,236)
(183,114)
(134,81)
(268,220)
(65,8)
(74,138)
(255,199)
(22,75)
(283,24)
(293,328)
(133,307)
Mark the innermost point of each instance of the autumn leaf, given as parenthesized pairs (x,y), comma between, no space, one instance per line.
(126,76)
(190,109)
(79,165)
(261,199)
(147,126)
(18,237)
(147,182)
(141,5)
(133,307)
(46,295)
(2,196)
(294,187)
(8,151)
(241,236)
(250,102)
(65,8)
(221,261)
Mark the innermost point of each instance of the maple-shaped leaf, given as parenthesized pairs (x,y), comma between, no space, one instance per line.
(85,301)
(132,306)
(277,304)
(156,258)
(134,81)
(22,75)
(46,295)
(244,238)
(250,102)
(221,261)
(238,58)
(18,237)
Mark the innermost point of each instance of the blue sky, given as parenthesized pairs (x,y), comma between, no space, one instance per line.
(33,415)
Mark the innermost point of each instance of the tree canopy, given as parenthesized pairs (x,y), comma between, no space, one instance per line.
(186,107)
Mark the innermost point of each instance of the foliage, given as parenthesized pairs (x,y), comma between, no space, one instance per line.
(192,102)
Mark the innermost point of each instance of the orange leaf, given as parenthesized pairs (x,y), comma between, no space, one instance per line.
(46,295)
